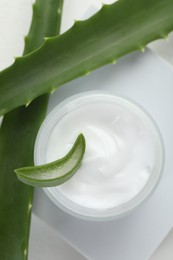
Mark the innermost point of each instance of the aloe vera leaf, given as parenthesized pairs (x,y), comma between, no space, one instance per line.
(45,23)
(17,136)
(116,30)
(57,172)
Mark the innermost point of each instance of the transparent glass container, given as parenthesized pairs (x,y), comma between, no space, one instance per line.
(64,202)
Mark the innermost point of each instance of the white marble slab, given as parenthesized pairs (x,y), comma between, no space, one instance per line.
(148,80)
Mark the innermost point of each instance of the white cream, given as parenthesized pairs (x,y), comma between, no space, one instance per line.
(120,151)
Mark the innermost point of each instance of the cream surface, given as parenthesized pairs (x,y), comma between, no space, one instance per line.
(120,152)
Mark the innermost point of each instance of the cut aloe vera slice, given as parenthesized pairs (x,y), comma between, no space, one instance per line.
(57,172)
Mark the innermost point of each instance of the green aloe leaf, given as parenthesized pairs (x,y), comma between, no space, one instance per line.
(17,136)
(116,30)
(57,172)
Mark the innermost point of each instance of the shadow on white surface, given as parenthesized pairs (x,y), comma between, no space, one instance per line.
(165,250)
(45,243)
